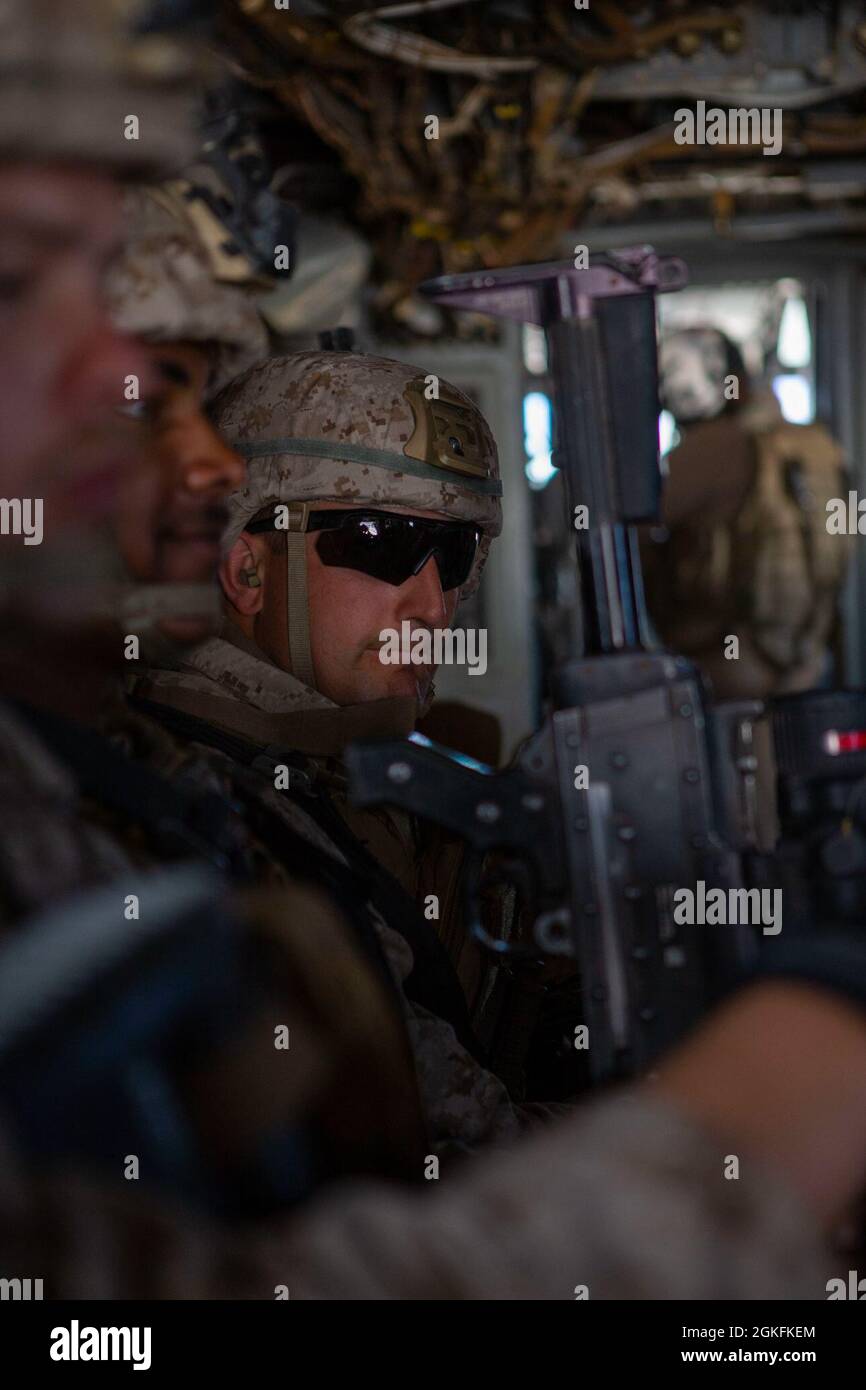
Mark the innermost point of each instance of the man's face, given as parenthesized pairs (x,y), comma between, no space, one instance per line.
(62,363)
(348,611)
(169,532)
(692,367)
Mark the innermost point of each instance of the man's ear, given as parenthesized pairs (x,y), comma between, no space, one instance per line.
(241,574)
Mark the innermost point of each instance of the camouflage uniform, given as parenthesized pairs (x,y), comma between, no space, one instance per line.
(463,1101)
(625,1200)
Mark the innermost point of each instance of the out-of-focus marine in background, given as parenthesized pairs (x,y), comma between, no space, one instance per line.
(746,552)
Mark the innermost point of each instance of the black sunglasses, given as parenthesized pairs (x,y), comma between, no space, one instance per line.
(390,547)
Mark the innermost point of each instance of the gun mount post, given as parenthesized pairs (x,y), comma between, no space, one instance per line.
(600,329)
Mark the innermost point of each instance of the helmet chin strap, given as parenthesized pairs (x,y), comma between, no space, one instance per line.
(424,705)
(298,609)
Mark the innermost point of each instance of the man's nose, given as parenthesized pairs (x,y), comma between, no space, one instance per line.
(207,462)
(422,597)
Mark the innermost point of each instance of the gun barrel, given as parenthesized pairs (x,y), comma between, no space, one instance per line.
(614,607)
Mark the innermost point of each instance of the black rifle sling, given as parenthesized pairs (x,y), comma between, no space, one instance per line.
(182,821)
(433,981)
(179,820)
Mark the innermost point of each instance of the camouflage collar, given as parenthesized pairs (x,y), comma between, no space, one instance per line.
(226,685)
(243,671)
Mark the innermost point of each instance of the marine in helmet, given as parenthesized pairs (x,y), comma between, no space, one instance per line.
(198,328)
(392,498)
(391,480)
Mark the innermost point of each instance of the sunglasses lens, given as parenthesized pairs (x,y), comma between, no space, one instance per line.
(392,548)
(371,545)
(455,555)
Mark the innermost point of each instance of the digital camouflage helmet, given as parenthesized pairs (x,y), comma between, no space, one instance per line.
(166,286)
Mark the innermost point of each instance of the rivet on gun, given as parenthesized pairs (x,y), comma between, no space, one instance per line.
(581,823)
(640,952)
(626,833)
(647,1015)
(599,992)
(400,772)
(532,801)
(572,740)
(691,774)
(632,892)
(686,710)
(618,760)
(488,812)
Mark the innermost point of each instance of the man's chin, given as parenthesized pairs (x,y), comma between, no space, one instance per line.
(407,680)
(370,679)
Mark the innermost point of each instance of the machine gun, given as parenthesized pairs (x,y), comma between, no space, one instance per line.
(633,788)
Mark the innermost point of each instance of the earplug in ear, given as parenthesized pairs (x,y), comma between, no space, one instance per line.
(251,579)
